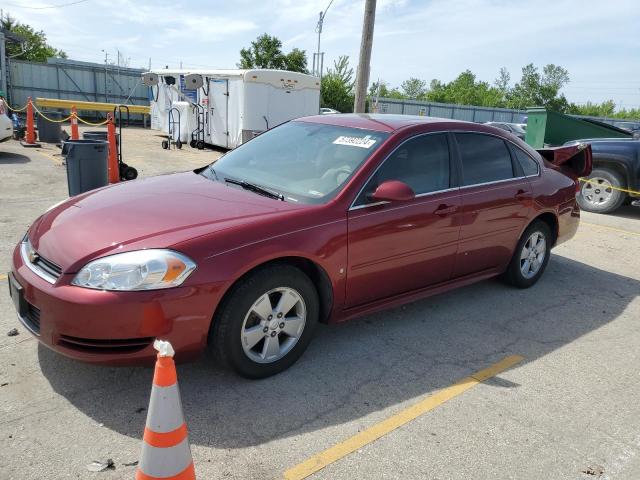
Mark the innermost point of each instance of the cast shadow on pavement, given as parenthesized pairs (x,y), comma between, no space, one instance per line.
(7,158)
(362,366)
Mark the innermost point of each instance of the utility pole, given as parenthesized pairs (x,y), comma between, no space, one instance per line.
(364,64)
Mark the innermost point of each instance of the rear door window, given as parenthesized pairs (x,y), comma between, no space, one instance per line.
(528,164)
(484,158)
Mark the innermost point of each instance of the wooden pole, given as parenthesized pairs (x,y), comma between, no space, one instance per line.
(364,64)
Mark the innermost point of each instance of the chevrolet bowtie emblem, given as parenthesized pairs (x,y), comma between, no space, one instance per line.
(33,256)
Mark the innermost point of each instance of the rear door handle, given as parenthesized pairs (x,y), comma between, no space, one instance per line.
(522,194)
(445,209)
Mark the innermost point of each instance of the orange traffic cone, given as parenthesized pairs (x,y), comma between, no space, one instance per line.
(75,134)
(30,134)
(165,446)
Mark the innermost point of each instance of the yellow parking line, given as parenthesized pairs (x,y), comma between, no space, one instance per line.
(3,276)
(335,453)
(57,161)
(613,229)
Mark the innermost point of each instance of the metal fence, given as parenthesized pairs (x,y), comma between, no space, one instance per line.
(448,110)
(74,80)
(468,112)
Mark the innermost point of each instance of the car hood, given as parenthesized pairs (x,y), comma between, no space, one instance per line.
(156,212)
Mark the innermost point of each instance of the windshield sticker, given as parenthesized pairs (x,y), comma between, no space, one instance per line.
(362,142)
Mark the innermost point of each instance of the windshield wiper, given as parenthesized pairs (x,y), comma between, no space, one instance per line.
(255,188)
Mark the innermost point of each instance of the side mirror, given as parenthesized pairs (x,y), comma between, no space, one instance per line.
(393,191)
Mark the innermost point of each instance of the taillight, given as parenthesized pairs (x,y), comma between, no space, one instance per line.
(578,186)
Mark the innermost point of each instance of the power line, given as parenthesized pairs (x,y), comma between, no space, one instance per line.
(47,6)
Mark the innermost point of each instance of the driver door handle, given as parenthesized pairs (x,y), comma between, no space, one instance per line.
(444,209)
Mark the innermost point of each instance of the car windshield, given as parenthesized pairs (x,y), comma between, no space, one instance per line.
(305,162)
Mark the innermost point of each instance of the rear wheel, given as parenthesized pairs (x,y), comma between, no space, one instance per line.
(600,192)
(267,321)
(531,256)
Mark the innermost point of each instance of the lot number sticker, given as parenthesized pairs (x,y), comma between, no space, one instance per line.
(362,142)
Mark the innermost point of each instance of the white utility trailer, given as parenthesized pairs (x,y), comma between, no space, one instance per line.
(230,107)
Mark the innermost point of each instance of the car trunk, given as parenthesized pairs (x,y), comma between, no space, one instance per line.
(574,160)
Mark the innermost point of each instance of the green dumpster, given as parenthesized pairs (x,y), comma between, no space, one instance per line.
(552,128)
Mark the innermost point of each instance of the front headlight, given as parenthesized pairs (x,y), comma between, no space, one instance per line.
(138,270)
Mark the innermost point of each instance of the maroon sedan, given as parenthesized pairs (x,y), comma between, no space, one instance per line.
(318,220)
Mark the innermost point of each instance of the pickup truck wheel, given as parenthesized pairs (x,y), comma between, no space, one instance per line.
(530,257)
(599,193)
(267,321)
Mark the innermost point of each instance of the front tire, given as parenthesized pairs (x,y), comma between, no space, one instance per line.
(531,256)
(266,322)
(597,195)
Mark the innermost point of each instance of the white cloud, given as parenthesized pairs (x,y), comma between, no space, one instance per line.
(425,38)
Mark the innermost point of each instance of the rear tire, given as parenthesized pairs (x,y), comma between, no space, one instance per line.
(276,306)
(597,195)
(531,256)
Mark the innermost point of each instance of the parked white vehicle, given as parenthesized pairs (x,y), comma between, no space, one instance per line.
(6,125)
(233,105)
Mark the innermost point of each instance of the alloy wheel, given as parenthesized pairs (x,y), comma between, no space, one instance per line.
(273,325)
(532,255)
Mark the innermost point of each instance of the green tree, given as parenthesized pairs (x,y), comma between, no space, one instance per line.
(541,90)
(464,90)
(296,61)
(336,90)
(414,88)
(33,45)
(266,52)
(502,84)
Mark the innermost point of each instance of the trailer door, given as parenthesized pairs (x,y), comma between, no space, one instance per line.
(218,108)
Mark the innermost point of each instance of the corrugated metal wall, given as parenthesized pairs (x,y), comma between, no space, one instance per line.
(447,110)
(72,80)
(467,112)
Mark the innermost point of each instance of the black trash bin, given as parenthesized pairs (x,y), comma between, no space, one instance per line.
(99,135)
(49,132)
(87,165)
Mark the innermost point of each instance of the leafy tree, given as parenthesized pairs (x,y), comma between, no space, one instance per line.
(296,61)
(336,90)
(266,52)
(414,88)
(535,89)
(502,84)
(33,45)
(464,90)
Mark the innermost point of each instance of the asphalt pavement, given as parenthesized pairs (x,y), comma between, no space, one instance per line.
(569,409)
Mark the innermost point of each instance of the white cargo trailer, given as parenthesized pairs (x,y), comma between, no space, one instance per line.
(235,105)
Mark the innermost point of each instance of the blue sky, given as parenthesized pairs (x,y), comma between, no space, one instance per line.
(597,41)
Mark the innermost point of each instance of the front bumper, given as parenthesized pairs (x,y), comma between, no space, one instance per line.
(114,328)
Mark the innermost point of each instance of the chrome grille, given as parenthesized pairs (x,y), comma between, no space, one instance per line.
(49,267)
(39,265)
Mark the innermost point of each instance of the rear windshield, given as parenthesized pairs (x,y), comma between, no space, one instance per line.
(306,162)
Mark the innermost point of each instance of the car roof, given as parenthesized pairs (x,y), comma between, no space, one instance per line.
(380,122)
